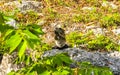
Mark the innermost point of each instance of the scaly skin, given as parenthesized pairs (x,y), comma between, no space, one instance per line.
(60,40)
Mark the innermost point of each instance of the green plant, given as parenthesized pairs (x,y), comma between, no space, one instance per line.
(25,36)
(86,68)
(92,42)
(56,65)
(88,14)
(103,43)
(29,17)
(77,38)
(110,20)
(52,14)
(44,47)
(77,18)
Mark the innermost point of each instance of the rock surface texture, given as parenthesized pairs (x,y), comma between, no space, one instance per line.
(109,59)
(24,6)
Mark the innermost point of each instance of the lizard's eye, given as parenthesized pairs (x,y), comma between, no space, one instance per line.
(56,32)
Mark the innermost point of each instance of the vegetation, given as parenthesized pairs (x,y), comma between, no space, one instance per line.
(28,35)
(91,42)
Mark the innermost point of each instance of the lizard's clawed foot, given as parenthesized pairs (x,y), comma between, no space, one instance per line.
(60,48)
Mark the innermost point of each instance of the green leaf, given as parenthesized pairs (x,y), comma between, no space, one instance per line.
(82,71)
(45,73)
(30,34)
(96,71)
(65,72)
(7,18)
(22,48)
(31,68)
(31,39)
(57,61)
(9,31)
(66,59)
(11,73)
(90,72)
(32,73)
(13,42)
(29,43)
(1,18)
(28,60)
(36,29)
(48,62)
(4,28)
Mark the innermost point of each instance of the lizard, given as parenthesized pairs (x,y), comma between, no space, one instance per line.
(60,39)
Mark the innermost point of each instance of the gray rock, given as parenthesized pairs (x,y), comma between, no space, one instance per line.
(108,59)
(24,6)
(12,23)
(30,5)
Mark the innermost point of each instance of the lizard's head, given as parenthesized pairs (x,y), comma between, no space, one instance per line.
(59,31)
(59,34)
